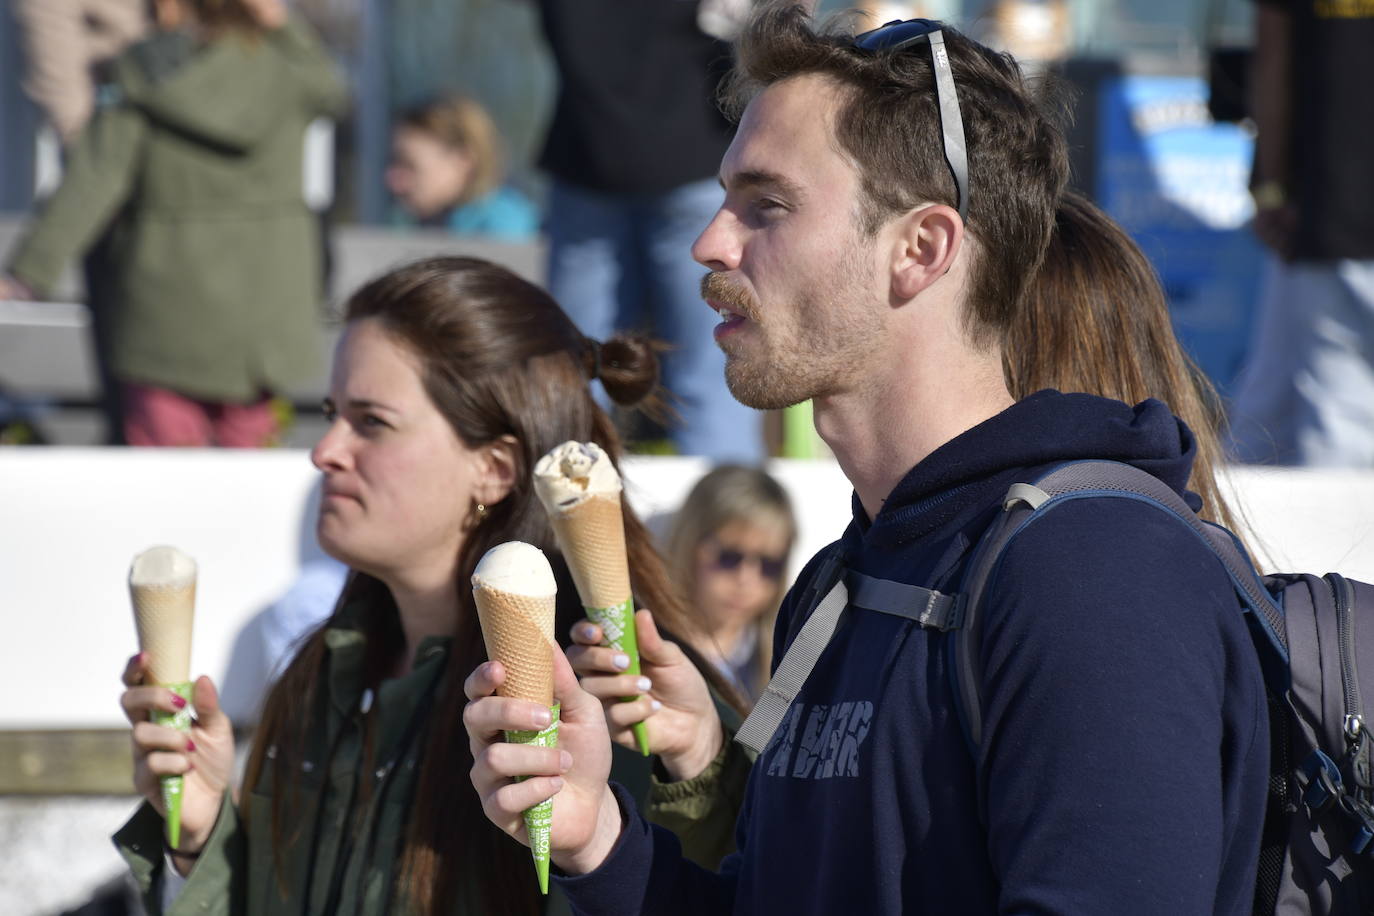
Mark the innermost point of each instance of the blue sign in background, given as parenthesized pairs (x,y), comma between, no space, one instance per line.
(1178,183)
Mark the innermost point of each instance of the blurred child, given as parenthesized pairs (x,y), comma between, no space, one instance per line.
(447,169)
(728,550)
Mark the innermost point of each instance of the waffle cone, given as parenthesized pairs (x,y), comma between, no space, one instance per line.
(518,630)
(163,616)
(591,534)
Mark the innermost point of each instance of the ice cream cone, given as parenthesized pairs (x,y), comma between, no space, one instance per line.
(516,596)
(591,534)
(518,630)
(162,586)
(581,491)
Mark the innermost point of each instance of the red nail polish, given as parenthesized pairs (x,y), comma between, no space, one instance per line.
(190,746)
(178,701)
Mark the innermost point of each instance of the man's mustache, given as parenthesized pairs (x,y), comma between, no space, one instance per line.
(716,287)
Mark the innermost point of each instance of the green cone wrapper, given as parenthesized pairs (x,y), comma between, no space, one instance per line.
(618,627)
(539,818)
(171,785)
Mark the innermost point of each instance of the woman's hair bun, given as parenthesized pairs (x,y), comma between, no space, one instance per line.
(627,365)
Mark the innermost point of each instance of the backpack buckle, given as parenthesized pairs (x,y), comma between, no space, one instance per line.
(1362,820)
(1322,782)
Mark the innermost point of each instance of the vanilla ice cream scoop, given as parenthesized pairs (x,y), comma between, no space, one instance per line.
(516,568)
(572,472)
(162,567)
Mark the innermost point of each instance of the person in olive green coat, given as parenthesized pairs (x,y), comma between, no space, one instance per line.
(194,160)
(452,378)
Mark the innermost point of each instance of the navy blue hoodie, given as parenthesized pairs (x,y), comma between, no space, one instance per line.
(1125,752)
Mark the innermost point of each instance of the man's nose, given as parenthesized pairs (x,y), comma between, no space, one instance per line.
(718,247)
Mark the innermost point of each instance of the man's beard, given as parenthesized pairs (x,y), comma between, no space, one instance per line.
(801,353)
(786,372)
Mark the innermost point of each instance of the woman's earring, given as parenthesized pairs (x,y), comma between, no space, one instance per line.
(479,512)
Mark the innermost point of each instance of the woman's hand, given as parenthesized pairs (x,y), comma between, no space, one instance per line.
(205,757)
(586,816)
(684,729)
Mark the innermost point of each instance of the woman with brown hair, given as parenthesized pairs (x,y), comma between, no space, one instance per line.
(452,377)
(1096,320)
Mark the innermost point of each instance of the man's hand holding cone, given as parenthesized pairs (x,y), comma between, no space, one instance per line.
(581,491)
(587,819)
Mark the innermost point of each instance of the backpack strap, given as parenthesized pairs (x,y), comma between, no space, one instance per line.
(827,597)
(1095,479)
(927,607)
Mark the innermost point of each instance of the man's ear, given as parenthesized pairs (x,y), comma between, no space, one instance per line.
(927,242)
(498,462)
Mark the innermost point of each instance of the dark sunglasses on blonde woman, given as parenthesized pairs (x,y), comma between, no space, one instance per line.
(728,558)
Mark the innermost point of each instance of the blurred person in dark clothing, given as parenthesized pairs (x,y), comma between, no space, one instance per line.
(214,269)
(1307,394)
(633,149)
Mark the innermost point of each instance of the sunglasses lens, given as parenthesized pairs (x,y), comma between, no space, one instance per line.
(895,34)
(729,559)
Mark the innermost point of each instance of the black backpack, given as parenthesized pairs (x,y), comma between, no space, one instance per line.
(1317,655)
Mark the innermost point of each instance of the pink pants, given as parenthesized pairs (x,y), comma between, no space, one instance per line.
(160,417)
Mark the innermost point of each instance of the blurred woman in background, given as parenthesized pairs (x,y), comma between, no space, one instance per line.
(728,549)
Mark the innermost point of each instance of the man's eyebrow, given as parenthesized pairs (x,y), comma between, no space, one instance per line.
(761,180)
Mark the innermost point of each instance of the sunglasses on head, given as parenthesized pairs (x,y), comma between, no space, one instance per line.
(900,34)
(728,558)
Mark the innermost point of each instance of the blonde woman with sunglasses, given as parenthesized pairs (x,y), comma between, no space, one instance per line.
(728,548)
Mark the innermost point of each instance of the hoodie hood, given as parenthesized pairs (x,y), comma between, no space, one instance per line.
(226,93)
(972,471)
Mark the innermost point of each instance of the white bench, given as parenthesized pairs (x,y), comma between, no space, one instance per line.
(71,520)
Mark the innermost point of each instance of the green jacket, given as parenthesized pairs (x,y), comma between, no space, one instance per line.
(193,163)
(702,811)
(235,873)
